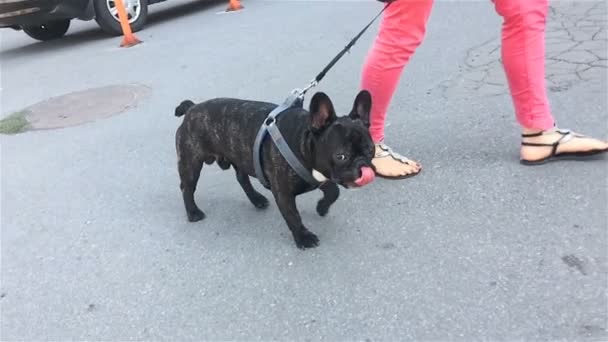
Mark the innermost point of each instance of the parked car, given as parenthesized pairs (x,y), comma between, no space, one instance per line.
(50,19)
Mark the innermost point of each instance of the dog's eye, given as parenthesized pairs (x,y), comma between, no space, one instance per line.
(341,157)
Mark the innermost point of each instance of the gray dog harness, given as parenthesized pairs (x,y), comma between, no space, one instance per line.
(296,99)
(269,127)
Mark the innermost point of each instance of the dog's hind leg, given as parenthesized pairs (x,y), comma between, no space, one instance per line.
(331,192)
(256,198)
(189,165)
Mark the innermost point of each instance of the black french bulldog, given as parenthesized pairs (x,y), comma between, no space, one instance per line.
(223,130)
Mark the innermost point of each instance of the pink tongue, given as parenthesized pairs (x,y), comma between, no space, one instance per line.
(367,176)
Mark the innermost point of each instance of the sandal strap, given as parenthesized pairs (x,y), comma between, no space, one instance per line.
(567,135)
(551,131)
(386,151)
(532,135)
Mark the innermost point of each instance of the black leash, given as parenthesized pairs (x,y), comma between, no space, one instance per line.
(295,99)
(343,52)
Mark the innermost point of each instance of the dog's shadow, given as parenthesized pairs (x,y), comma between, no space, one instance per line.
(230,215)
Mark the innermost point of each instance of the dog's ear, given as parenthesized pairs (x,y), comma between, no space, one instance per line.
(362,107)
(322,111)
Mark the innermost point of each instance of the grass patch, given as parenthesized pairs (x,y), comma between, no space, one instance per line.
(14,123)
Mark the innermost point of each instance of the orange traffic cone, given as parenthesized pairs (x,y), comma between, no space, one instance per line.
(129,38)
(234,5)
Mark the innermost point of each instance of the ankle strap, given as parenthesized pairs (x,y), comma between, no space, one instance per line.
(549,131)
(532,135)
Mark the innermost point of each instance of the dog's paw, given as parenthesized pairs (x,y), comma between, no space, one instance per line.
(195,215)
(322,208)
(260,202)
(306,240)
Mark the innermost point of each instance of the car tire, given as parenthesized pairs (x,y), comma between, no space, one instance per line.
(48,31)
(107,19)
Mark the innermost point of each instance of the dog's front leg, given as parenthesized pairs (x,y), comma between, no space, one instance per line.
(287,205)
(331,192)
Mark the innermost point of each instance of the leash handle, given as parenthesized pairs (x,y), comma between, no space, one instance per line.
(345,50)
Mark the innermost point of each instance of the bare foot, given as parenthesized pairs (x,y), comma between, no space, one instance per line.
(390,164)
(539,147)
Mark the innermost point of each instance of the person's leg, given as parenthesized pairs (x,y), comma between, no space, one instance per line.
(402,29)
(523,55)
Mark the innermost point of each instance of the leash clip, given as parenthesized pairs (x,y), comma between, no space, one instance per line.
(311,85)
(299,93)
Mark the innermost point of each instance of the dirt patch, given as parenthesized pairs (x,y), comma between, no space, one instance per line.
(75,108)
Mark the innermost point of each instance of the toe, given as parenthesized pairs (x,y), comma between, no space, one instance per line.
(412,167)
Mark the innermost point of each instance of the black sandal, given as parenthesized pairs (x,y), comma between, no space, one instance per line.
(566,135)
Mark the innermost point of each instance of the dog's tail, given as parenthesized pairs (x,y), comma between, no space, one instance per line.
(183,107)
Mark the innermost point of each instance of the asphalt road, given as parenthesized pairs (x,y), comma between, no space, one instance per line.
(95,243)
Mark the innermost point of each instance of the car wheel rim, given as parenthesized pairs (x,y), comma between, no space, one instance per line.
(132,7)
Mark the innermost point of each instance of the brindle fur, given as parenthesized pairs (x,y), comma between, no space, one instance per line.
(223,131)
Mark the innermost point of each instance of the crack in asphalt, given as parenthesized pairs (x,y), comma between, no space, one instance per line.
(576,45)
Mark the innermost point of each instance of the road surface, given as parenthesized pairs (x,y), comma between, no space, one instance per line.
(95,242)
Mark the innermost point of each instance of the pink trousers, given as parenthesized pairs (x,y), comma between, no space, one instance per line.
(523,55)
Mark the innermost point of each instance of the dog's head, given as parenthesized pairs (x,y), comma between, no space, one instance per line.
(343,147)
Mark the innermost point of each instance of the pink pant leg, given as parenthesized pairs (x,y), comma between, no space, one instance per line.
(523,55)
(401,32)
